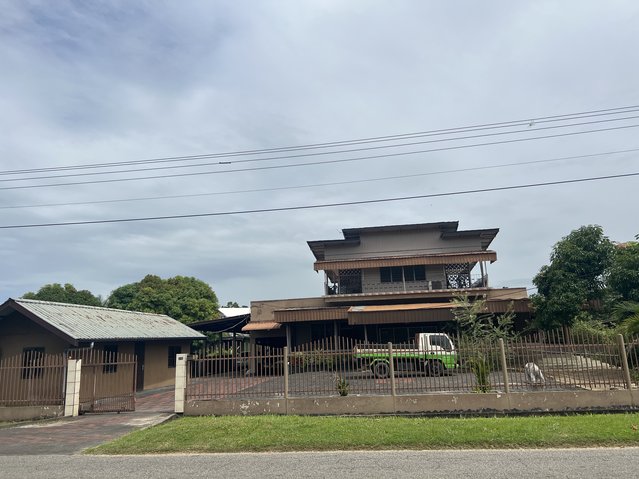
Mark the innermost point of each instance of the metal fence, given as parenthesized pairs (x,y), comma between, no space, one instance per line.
(558,361)
(32,379)
(108,381)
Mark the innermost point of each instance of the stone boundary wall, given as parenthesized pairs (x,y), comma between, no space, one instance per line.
(434,404)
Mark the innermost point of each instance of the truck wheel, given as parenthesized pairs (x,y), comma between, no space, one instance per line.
(436,368)
(381,370)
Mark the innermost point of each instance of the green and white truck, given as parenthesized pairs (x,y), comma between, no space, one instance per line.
(432,353)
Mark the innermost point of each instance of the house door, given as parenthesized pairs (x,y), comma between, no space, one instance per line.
(139,352)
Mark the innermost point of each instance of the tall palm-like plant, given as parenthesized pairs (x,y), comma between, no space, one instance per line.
(627,313)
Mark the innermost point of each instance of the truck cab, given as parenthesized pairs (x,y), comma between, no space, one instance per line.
(431,353)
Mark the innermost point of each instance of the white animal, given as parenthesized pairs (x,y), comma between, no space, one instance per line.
(534,374)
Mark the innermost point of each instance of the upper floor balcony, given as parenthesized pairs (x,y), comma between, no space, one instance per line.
(398,279)
(395,274)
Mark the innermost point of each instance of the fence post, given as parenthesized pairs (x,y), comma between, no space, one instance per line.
(286,372)
(72,395)
(504,366)
(181,365)
(392,369)
(624,361)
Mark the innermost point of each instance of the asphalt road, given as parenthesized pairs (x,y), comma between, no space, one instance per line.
(591,463)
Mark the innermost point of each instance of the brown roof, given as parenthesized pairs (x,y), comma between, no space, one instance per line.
(309,314)
(261,326)
(442,258)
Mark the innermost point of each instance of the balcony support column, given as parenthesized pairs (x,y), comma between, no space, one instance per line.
(483,274)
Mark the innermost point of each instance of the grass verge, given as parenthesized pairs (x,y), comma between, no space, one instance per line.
(303,433)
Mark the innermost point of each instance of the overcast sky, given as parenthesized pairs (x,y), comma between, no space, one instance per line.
(85,83)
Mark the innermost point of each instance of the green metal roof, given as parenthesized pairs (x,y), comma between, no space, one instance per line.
(90,323)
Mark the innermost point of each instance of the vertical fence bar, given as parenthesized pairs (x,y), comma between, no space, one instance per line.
(504,366)
(286,372)
(392,369)
(624,361)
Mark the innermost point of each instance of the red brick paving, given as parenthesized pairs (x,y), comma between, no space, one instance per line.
(74,434)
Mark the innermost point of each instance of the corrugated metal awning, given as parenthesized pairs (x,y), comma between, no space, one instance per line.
(400,313)
(505,305)
(310,314)
(443,258)
(261,326)
(399,307)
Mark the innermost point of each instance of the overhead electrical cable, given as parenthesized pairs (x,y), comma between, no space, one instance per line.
(513,123)
(334,183)
(325,162)
(322,205)
(306,155)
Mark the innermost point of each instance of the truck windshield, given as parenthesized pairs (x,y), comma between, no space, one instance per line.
(441,341)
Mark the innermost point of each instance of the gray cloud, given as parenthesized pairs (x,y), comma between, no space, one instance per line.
(124,81)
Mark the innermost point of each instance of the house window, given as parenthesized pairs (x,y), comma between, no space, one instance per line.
(110,364)
(398,274)
(32,359)
(173,351)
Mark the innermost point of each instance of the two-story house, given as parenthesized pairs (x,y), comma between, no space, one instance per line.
(385,283)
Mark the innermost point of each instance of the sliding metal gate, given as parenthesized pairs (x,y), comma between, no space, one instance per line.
(107,381)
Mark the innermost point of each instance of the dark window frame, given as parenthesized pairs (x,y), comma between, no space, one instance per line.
(32,359)
(172,352)
(398,274)
(110,361)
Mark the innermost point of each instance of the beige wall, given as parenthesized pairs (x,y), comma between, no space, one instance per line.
(18,332)
(398,243)
(156,356)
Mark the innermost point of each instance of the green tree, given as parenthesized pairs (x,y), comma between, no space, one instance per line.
(183,298)
(574,278)
(232,304)
(623,274)
(64,294)
(627,313)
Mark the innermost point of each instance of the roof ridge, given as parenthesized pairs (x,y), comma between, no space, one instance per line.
(85,306)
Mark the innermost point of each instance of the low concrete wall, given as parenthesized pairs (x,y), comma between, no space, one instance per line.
(468,403)
(24,413)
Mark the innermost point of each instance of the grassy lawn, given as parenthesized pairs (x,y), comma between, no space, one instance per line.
(302,433)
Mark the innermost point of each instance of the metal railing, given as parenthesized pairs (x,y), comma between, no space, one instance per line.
(108,381)
(32,379)
(556,361)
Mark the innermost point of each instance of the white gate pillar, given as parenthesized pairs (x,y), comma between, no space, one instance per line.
(72,395)
(181,363)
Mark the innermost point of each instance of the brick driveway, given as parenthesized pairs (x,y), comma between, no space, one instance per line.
(73,435)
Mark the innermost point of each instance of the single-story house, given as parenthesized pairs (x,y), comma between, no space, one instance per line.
(44,327)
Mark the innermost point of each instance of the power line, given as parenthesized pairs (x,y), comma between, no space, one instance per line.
(324,205)
(306,155)
(521,122)
(335,183)
(341,160)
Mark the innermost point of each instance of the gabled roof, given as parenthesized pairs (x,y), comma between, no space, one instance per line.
(448,229)
(78,323)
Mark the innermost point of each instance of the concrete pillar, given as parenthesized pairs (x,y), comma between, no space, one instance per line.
(72,395)
(181,365)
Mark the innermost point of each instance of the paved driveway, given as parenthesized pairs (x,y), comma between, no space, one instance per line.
(73,435)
